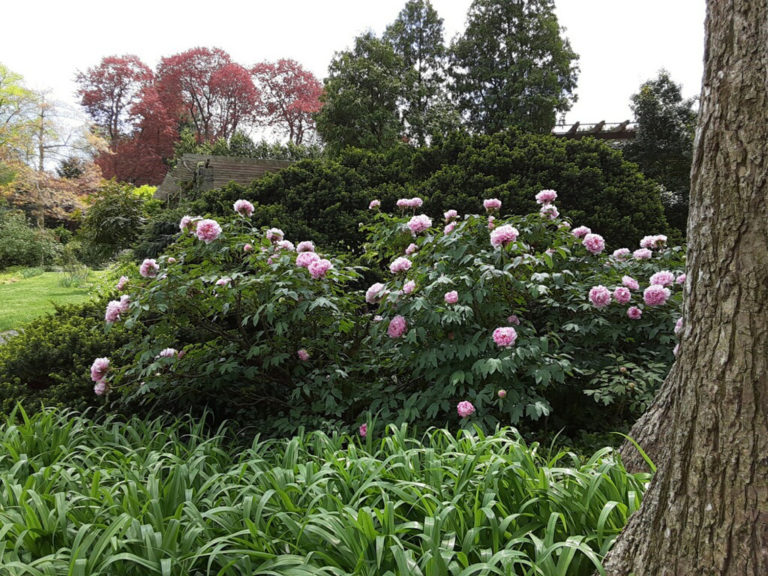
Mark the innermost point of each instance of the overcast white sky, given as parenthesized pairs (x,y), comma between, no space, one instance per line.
(621,43)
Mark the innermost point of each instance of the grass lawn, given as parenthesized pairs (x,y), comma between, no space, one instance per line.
(23,299)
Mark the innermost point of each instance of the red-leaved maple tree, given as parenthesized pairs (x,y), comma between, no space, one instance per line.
(290,95)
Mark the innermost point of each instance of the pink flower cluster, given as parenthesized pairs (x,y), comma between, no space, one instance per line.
(411,249)
(400,264)
(630,282)
(546,196)
(404,203)
(303,355)
(149,268)
(449,228)
(168,353)
(681,279)
(594,243)
(121,283)
(397,327)
(244,208)
(622,295)
(491,204)
(656,241)
(451,215)
(655,295)
(634,313)
(600,296)
(503,235)
(642,254)
(285,245)
(549,211)
(581,231)
(419,224)
(663,278)
(375,293)
(117,307)
(621,254)
(465,409)
(409,287)
(451,297)
(99,370)
(208,230)
(363,430)
(225,281)
(318,268)
(305,246)
(304,259)
(373,204)
(491,224)
(678,326)
(275,234)
(187,223)
(513,319)
(504,336)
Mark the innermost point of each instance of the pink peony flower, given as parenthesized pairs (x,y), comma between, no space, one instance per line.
(400,264)
(656,241)
(630,282)
(503,235)
(581,231)
(363,430)
(416,202)
(149,268)
(404,203)
(550,211)
(505,336)
(121,283)
(409,287)
(600,296)
(502,393)
(305,246)
(373,204)
(465,409)
(451,215)
(491,224)
(168,353)
(243,207)
(419,223)
(634,313)
(171,260)
(304,259)
(621,253)
(594,243)
(663,278)
(491,204)
(655,295)
(622,295)
(678,325)
(303,355)
(100,388)
(451,297)
(208,230)
(565,226)
(187,223)
(285,245)
(99,369)
(397,327)
(117,307)
(681,279)
(513,319)
(225,281)
(546,196)
(248,248)
(318,268)
(449,228)
(375,293)
(642,254)
(411,249)
(275,234)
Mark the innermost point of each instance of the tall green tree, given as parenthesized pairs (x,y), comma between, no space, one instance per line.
(361,96)
(513,66)
(18,107)
(417,37)
(663,147)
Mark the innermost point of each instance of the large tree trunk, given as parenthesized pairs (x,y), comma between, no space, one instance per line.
(706,511)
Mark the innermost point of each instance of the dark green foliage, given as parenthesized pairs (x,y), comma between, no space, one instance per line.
(49,361)
(361,95)
(241,145)
(112,223)
(71,167)
(512,66)
(663,147)
(24,245)
(326,199)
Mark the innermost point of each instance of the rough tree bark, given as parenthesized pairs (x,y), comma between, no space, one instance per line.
(706,511)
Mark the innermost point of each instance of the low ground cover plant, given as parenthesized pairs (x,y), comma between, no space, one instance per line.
(163,497)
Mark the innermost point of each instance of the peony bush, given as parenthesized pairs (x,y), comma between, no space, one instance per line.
(531,320)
